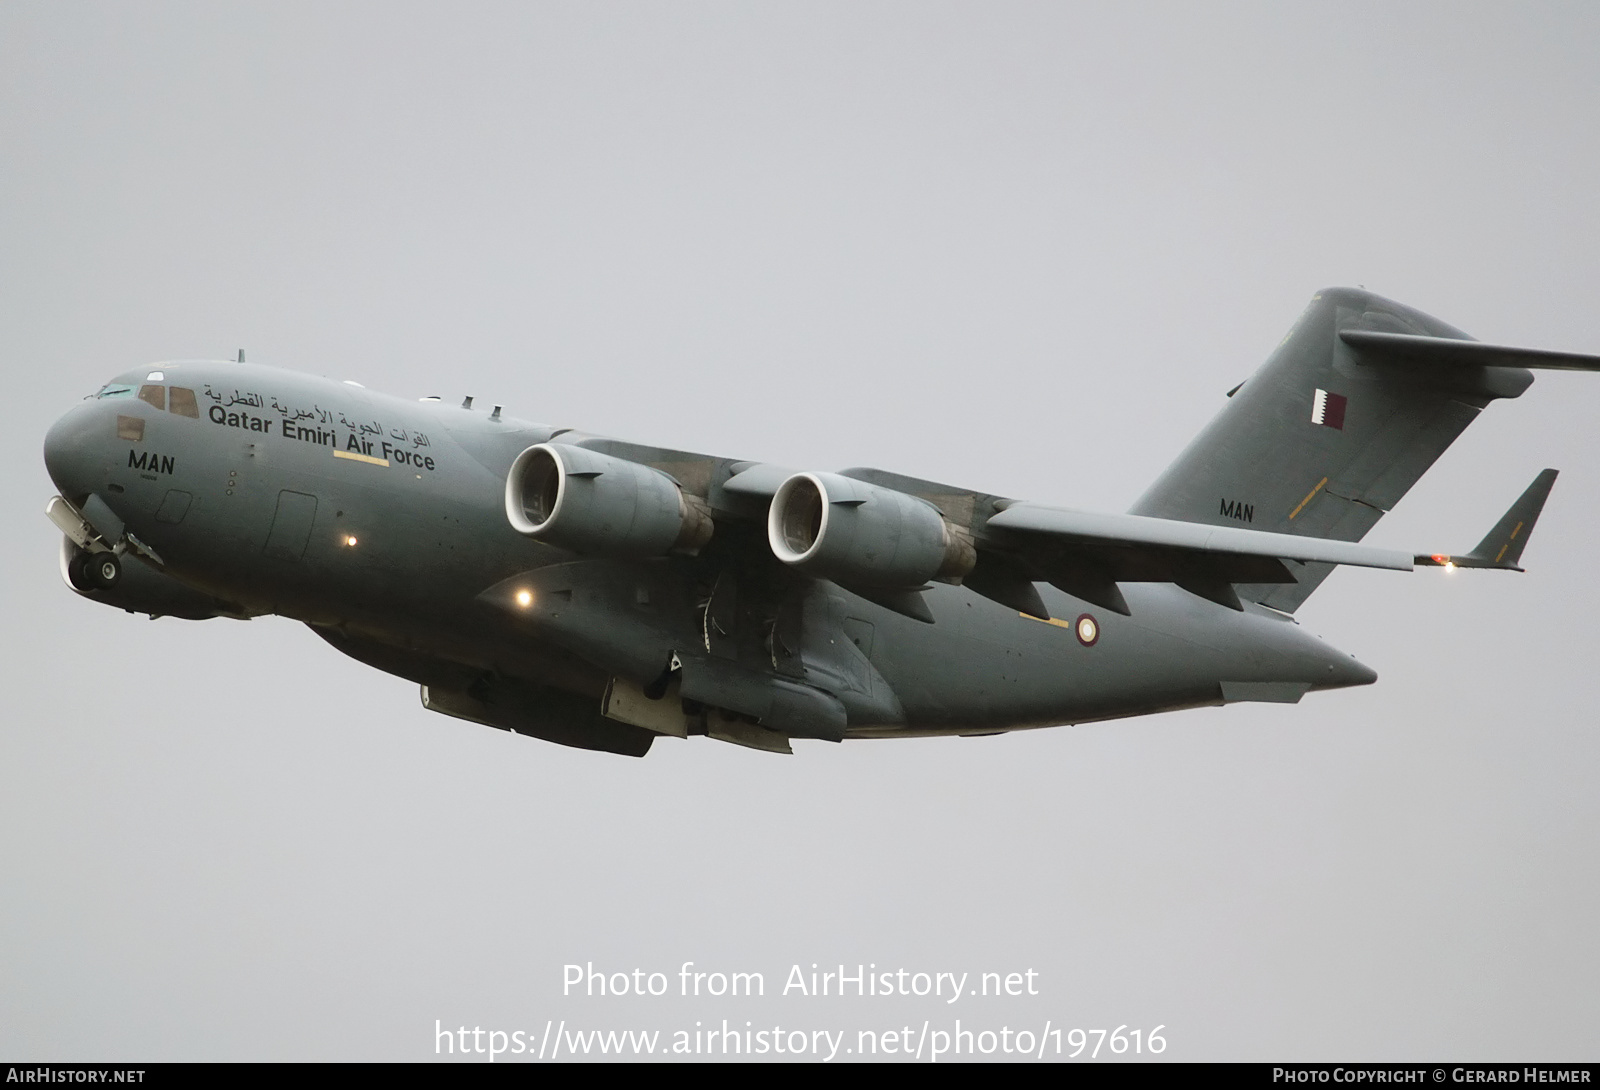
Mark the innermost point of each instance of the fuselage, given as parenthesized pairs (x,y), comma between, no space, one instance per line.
(383,520)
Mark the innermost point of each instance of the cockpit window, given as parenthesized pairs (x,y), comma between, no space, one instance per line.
(155,395)
(182,402)
(115,389)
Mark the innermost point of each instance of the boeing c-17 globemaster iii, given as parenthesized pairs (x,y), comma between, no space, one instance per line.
(600,593)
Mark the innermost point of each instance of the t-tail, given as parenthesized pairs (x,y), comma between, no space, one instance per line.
(1353,407)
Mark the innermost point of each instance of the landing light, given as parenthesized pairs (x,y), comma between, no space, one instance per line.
(524,598)
(350,540)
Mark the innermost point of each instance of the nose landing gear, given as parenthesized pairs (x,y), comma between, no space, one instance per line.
(94,571)
(104,570)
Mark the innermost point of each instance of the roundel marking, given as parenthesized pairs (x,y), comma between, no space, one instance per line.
(1087,628)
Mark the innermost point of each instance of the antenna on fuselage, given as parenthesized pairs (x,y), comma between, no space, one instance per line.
(466,402)
(496,414)
(241,355)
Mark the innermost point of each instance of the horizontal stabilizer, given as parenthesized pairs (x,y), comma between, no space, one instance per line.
(1502,547)
(1409,348)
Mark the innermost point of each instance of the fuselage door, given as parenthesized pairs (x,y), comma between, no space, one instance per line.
(291,525)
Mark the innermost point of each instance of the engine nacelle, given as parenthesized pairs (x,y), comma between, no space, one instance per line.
(592,503)
(860,534)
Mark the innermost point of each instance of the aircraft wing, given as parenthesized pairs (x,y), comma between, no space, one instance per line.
(1086,554)
(886,537)
(1140,532)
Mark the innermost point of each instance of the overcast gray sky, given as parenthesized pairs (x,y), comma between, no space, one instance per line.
(1024,248)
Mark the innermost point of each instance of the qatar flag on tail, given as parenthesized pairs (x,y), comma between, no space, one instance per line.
(1328,409)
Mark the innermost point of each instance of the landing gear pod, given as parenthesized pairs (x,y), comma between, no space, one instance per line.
(592,503)
(859,534)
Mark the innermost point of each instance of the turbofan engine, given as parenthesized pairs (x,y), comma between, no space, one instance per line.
(587,502)
(861,535)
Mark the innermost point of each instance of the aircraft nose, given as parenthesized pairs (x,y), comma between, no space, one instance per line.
(74,449)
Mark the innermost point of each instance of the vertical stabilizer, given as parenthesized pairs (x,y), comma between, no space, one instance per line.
(1327,435)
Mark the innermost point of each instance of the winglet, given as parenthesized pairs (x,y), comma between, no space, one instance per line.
(1502,547)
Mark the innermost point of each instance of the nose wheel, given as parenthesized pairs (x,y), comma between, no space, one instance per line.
(95,571)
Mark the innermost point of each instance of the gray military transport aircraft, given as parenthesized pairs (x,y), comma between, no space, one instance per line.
(599,593)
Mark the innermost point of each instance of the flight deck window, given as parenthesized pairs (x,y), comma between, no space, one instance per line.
(155,395)
(183,403)
(115,390)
